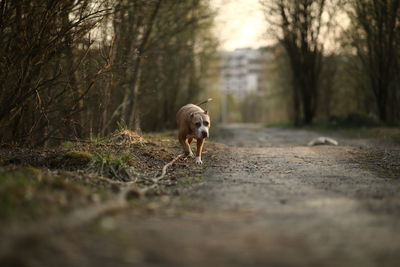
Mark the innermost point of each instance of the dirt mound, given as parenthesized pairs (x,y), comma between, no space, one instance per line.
(126,137)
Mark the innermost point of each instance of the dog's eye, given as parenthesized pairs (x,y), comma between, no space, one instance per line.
(198,124)
(206,123)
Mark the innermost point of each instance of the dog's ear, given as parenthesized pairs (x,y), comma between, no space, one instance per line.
(191,115)
(206,112)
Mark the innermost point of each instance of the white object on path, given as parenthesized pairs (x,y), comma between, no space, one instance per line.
(323,141)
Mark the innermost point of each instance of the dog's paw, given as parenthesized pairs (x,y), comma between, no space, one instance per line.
(198,161)
(190,155)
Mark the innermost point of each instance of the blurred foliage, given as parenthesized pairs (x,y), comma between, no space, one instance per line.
(374,33)
(359,79)
(27,192)
(78,69)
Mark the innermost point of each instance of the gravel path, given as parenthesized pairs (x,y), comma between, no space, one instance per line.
(271,200)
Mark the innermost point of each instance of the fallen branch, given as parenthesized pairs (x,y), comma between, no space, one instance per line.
(164,169)
(156,180)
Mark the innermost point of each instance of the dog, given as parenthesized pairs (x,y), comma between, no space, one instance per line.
(193,122)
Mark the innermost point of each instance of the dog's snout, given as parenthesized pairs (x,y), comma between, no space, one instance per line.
(204,134)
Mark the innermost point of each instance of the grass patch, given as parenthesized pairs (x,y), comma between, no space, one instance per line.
(385,133)
(77,158)
(161,136)
(281,125)
(113,166)
(27,193)
(391,134)
(71,160)
(385,163)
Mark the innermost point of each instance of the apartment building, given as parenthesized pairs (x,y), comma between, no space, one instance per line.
(241,71)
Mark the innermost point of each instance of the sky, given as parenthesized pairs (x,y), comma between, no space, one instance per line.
(240,23)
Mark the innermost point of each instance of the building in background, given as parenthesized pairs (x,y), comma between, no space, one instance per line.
(243,75)
(253,86)
(241,71)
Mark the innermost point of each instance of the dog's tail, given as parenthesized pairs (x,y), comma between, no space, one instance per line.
(206,101)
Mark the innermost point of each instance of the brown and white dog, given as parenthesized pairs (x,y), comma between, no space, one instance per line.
(193,122)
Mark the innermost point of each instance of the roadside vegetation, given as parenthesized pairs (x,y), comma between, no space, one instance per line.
(36,184)
(81,69)
(79,79)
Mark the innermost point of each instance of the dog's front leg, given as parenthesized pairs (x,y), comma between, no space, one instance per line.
(200,143)
(185,144)
(189,141)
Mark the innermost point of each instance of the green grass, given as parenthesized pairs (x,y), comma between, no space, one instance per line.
(159,136)
(71,160)
(27,193)
(381,133)
(388,133)
(280,125)
(110,165)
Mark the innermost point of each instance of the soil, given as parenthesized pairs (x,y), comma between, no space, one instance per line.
(263,198)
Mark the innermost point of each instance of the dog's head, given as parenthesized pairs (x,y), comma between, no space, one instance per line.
(200,124)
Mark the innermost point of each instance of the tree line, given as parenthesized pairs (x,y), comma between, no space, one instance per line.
(74,69)
(82,68)
(369,53)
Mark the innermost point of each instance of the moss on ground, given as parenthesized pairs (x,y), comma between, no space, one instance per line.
(28,193)
(72,159)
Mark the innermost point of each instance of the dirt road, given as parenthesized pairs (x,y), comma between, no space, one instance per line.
(265,200)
